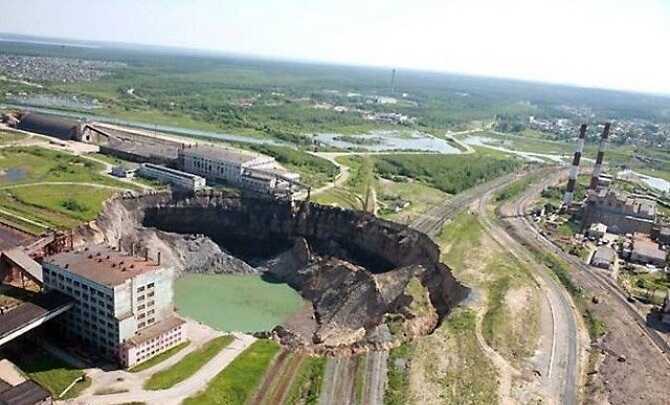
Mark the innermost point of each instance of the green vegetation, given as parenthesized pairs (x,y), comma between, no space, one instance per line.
(397,386)
(57,206)
(35,164)
(313,170)
(451,174)
(53,373)
(459,238)
(473,379)
(160,358)
(235,303)
(237,382)
(420,196)
(307,384)
(515,189)
(187,366)
(7,137)
(511,331)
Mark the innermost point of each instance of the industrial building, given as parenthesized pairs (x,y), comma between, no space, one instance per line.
(620,212)
(176,178)
(249,171)
(62,128)
(646,251)
(123,303)
(596,231)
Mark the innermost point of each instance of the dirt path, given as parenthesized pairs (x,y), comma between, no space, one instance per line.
(375,378)
(176,394)
(339,381)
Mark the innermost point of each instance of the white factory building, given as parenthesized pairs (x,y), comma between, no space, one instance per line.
(255,172)
(176,178)
(123,304)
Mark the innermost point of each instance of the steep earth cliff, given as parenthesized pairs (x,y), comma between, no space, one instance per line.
(371,282)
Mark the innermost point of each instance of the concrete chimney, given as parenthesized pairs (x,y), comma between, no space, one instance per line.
(598,167)
(574,170)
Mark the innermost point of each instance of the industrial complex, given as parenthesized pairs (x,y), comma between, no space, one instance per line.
(180,163)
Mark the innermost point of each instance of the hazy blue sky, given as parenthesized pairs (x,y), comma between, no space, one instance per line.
(604,43)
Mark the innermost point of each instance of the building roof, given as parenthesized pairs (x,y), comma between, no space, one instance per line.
(173,172)
(155,330)
(63,128)
(647,248)
(26,393)
(598,227)
(604,254)
(219,153)
(27,312)
(20,258)
(102,264)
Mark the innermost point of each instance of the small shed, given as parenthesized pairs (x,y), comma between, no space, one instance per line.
(604,257)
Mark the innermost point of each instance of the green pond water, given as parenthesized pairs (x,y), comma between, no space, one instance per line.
(235,303)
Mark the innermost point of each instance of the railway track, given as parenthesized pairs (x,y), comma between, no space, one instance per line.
(597,280)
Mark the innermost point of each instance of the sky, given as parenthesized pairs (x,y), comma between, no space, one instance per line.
(621,44)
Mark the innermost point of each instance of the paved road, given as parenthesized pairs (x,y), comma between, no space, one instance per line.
(560,369)
(181,391)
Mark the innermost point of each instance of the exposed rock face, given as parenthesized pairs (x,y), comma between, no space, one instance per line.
(371,282)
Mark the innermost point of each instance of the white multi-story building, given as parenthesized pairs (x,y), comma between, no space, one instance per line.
(123,304)
(246,170)
(177,178)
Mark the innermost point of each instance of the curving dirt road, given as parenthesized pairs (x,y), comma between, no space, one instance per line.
(559,371)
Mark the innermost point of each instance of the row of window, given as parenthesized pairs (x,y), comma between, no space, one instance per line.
(53,277)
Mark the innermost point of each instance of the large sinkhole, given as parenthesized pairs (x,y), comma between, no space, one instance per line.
(368,282)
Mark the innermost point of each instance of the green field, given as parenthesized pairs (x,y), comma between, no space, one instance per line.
(53,189)
(37,164)
(235,303)
(187,366)
(52,373)
(306,387)
(237,382)
(7,137)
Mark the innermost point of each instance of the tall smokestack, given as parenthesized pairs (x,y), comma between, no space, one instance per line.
(598,168)
(574,170)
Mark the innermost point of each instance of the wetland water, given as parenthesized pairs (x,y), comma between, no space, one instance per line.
(246,303)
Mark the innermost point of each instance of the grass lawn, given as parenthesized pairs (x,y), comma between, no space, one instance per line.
(458,238)
(160,358)
(10,137)
(237,382)
(397,386)
(307,384)
(188,366)
(420,196)
(56,206)
(52,373)
(35,164)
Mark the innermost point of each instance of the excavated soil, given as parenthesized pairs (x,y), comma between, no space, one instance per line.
(372,283)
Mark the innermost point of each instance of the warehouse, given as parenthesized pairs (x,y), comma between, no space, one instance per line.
(177,178)
(646,251)
(62,128)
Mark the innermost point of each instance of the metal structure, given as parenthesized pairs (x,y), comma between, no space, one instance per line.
(574,170)
(598,167)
